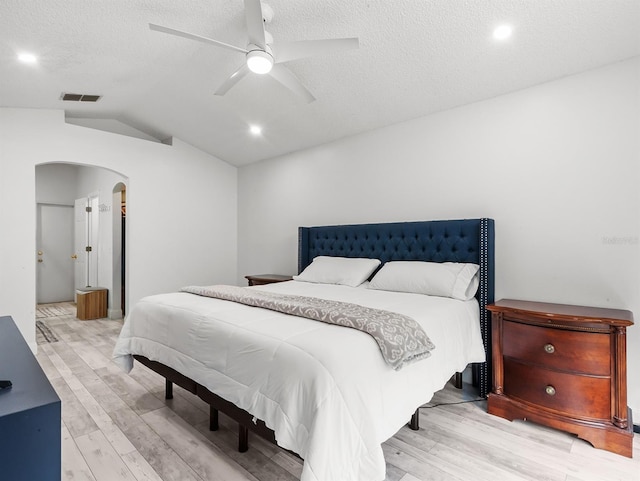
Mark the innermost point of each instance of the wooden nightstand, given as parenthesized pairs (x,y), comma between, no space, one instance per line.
(262,279)
(565,367)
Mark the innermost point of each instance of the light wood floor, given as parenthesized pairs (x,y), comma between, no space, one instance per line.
(118,426)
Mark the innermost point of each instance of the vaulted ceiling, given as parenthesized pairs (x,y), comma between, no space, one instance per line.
(416,57)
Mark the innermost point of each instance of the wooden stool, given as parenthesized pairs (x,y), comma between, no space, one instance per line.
(91,303)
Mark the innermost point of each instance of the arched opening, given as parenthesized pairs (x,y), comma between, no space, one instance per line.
(93,195)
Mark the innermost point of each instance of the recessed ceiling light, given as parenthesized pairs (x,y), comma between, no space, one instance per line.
(255,129)
(502,32)
(28,58)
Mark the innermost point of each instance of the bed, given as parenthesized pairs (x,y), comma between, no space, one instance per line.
(320,390)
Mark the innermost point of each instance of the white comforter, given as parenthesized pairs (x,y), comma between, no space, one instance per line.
(324,389)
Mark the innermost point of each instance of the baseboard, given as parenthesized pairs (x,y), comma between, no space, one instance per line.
(114,314)
(636,428)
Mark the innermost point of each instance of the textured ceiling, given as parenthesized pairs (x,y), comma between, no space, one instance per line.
(415,57)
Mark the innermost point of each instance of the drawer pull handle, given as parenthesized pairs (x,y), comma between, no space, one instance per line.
(550,390)
(549,348)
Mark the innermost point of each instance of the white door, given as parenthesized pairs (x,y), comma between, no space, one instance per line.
(86,231)
(54,244)
(93,232)
(80,243)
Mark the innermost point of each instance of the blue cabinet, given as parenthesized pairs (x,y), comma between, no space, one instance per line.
(30,432)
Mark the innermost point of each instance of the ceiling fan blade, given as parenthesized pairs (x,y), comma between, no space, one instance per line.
(286,78)
(191,36)
(255,23)
(287,51)
(234,79)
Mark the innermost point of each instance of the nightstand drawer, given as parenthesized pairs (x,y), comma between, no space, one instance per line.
(583,397)
(580,352)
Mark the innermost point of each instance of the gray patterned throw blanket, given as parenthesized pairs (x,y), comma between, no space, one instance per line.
(400,338)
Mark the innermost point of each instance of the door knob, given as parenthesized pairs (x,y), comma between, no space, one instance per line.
(74,256)
(39,253)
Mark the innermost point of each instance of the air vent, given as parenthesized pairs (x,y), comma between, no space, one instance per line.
(79,97)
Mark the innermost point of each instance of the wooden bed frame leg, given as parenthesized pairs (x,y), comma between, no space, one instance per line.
(457,380)
(168,389)
(213,419)
(415,420)
(243,438)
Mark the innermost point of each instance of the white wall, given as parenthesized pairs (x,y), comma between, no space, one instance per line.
(557,166)
(56,183)
(182,205)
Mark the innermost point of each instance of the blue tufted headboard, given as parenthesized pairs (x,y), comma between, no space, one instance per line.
(466,240)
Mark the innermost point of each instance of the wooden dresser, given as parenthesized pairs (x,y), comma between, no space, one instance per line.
(565,367)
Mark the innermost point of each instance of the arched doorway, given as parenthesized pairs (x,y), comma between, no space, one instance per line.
(63,184)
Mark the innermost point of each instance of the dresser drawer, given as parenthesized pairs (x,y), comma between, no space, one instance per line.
(572,351)
(583,397)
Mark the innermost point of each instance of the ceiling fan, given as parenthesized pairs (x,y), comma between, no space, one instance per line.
(263,56)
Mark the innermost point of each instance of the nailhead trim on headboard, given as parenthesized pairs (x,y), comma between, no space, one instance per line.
(486,297)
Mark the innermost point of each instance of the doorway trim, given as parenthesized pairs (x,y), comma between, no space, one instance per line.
(118,258)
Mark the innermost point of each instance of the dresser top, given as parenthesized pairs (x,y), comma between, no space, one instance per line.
(564,312)
(31,388)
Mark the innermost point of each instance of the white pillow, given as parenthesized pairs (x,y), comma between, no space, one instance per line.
(444,279)
(347,271)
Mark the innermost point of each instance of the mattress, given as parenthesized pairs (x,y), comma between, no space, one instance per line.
(324,390)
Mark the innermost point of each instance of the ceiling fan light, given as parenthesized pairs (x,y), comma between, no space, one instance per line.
(259,61)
